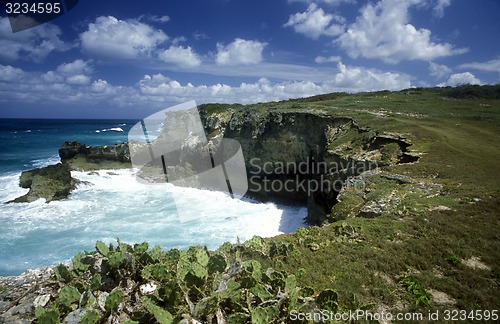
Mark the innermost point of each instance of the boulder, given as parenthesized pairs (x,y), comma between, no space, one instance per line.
(70,149)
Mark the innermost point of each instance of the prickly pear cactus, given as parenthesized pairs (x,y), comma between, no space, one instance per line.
(216,263)
(113,300)
(159,272)
(116,259)
(78,265)
(90,317)
(161,315)
(50,316)
(195,285)
(62,273)
(201,256)
(264,315)
(102,248)
(68,296)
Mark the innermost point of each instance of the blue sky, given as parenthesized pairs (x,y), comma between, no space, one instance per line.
(116,59)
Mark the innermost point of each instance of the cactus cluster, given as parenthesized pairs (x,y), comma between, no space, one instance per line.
(136,284)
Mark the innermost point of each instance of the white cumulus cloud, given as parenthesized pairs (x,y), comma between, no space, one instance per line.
(240,51)
(124,39)
(159,88)
(75,67)
(78,79)
(439,71)
(182,56)
(75,73)
(355,78)
(314,22)
(489,66)
(383,31)
(9,73)
(157,91)
(31,44)
(440,6)
(159,19)
(322,59)
(461,78)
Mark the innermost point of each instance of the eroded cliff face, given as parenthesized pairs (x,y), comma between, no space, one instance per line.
(303,156)
(299,156)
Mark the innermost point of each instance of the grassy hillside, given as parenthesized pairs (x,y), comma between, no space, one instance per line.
(457,130)
(437,251)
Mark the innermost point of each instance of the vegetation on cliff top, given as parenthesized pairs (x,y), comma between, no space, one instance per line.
(436,251)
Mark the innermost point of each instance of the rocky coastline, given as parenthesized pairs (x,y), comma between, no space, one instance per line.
(315,147)
(275,138)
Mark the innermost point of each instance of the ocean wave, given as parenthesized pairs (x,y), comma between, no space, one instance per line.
(113,129)
(40,163)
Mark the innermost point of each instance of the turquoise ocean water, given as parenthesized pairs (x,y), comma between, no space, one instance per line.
(112,204)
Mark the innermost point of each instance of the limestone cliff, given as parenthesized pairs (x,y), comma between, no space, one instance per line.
(303,156)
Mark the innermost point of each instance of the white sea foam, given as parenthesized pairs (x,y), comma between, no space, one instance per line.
(111,204)
(112,129)
(40,163)
(9,188)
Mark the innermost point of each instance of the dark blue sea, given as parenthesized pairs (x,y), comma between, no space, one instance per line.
(110,204)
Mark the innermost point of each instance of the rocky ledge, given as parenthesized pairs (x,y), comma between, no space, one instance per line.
(20,295)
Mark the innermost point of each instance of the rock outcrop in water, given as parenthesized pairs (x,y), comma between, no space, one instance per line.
(84,157)
(53,182)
